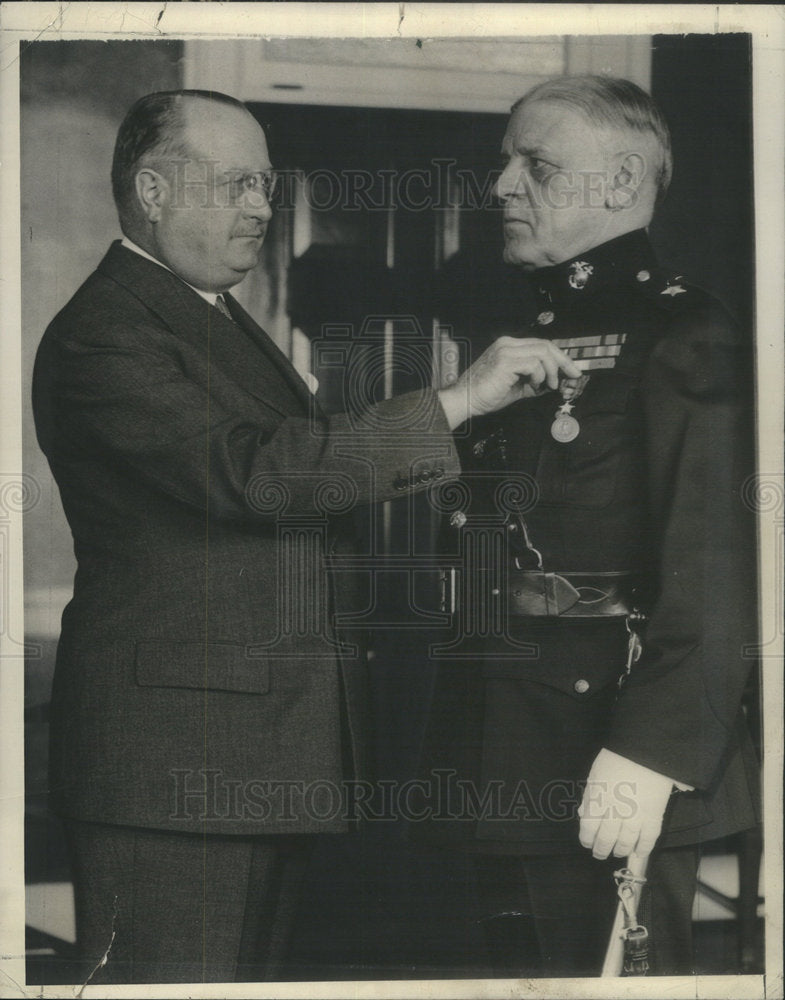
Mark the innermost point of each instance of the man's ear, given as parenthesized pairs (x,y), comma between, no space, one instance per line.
(624,190)
(152,190)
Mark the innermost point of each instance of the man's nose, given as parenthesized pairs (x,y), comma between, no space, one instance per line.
(256,205)
(511,183)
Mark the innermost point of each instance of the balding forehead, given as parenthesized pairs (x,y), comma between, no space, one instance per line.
(200,112)
(210,126)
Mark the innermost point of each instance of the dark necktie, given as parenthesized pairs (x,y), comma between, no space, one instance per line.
(221,306)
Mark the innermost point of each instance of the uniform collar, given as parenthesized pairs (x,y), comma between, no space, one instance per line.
(627,258)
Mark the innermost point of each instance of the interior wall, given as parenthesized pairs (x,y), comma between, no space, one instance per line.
(73,98)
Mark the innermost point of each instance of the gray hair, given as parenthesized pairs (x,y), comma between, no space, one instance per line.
(610,102)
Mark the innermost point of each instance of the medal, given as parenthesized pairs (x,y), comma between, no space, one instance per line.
(565,427)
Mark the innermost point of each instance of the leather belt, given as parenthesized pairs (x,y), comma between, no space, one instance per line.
(570,595)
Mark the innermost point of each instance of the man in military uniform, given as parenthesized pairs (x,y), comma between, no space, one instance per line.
(591,704)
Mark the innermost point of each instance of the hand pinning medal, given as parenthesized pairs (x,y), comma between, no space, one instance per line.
(565,427)
(589,353)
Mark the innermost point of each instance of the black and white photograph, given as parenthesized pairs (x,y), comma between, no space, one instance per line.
(391,500)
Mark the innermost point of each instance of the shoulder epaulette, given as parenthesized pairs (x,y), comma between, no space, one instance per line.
(701,344)
(671,291)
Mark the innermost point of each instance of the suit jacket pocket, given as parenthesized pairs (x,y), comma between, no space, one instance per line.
(214,666)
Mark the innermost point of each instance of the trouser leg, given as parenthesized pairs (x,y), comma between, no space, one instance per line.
(167,907)
(570,901)
(546,915)
(573,901)
(506,920)
(275,889)
(666,909)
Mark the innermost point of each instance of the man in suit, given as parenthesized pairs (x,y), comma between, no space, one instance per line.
(603,716)
(201,696)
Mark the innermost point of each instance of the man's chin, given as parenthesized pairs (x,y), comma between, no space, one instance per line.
(513,254)
(232,275)
(244,262)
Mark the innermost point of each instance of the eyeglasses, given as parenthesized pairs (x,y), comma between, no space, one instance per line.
(220,190)
(263,182)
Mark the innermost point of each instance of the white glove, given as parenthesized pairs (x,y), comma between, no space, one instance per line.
(622,807)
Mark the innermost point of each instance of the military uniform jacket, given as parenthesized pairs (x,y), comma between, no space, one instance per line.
(199,683)
(653,486)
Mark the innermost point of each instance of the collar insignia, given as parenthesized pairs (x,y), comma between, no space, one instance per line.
(580,273)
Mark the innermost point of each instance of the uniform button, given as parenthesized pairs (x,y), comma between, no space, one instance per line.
(545,317)
(495,592)
(581,686)
(438,473)
(458,519)
(643,275)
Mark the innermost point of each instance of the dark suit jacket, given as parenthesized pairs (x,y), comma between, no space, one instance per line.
(653,485)
(199,682)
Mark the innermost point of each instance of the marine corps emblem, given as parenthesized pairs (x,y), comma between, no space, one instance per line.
(581,272)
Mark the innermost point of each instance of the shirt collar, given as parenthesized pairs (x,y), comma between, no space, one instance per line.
(627,258)
(130,245)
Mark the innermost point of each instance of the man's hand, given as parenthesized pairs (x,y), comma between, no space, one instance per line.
(622,807)
(511,368)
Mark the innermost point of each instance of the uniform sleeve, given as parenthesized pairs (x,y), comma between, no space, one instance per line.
(676,712)
(133,406)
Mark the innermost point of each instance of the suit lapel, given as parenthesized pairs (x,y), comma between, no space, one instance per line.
(242,350)
(266,344)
